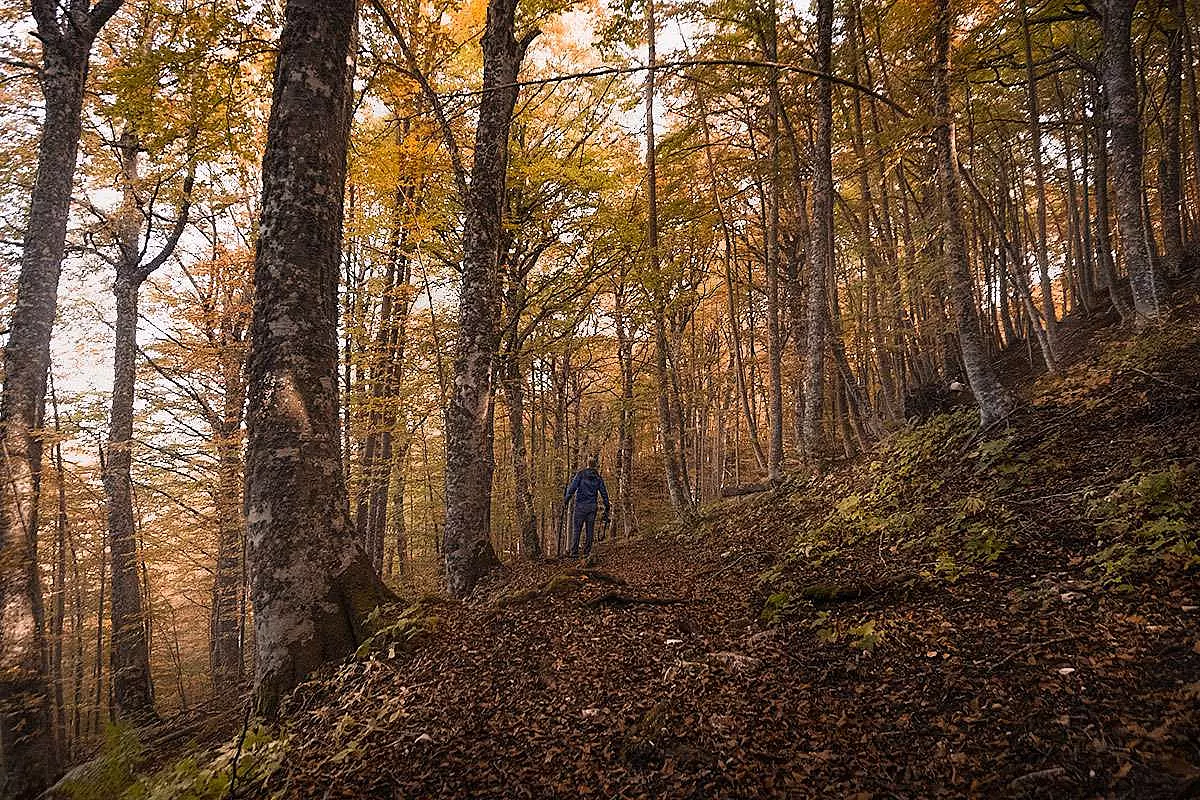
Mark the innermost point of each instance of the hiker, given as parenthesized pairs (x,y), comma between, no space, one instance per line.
(584,487)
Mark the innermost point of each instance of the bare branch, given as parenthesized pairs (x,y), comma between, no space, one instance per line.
(101,13)
(675,66)
(181,221)
(460,173)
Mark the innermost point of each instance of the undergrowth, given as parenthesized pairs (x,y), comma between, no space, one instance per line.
(1084,469)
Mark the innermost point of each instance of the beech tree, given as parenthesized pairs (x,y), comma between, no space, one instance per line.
(468,547)
(66,35)
(311,584)
(1120,91)
(132,688)
(821,241)
(994,400)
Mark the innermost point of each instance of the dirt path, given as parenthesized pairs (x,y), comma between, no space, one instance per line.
(988,688)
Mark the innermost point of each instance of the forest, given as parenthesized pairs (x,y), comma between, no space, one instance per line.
(876,321)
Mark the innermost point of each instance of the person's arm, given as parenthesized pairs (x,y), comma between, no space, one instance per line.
(571,487)
(604,494)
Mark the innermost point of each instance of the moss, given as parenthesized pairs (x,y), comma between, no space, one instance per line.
(208,775)
(561,584)
(112,770)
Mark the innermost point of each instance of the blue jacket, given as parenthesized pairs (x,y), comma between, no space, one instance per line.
(584,486)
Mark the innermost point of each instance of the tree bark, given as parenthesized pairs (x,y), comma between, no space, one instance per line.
(625,439)
(994,400)
(129,653)
(312,586)
(771,245)
(1170,166)
(225,630)
(821,244)
(681,500)
(1120,87)
(1033,109)
(59,595)
(26,740)
(513,379)
(468,548)
(1104,260)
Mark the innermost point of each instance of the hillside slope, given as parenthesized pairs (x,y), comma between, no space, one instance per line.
(1006,613)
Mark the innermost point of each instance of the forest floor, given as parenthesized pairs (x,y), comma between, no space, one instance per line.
(1007,613)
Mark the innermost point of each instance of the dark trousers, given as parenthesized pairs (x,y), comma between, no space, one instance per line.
(578,522)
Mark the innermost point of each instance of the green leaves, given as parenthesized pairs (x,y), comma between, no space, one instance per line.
(1149,518)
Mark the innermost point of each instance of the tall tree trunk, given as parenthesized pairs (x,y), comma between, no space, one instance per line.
(625,441)
(59,595)
(1120,87)
(821,243)
(1170,166)
(468,548)
(129,653)
(225,646)
(397,563)
(994,400)
(1104,260)
(730,295)
(1041,245)
(98,660)
(312,586)
(77,652)
(681,499)
(386,360)
(514,393)
(227,625)
(771,245)
(25,726)
(1080,231)
(1193,117)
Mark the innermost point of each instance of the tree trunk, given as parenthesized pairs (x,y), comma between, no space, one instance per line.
(1104,260)
(514,393)
(1120,86)
(133,691)
(311,585)
(625,442)
(821,244)
(1033,108)
(994,400)
(1170,167)
(225,646)
(468,547)
(771,245)
(59,595)
(26,740)
(385,359)
(129,654)
(681,499)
